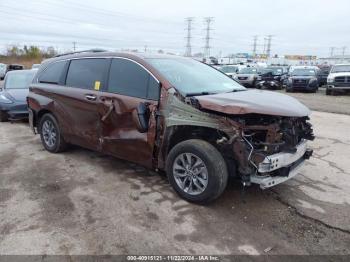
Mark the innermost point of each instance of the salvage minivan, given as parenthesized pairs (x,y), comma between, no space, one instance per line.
(170,113)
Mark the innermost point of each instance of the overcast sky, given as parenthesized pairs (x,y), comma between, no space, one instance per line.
(305,27)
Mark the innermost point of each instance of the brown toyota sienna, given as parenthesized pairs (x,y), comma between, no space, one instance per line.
(170,113)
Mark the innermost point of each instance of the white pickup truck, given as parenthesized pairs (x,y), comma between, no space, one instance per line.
(338,79)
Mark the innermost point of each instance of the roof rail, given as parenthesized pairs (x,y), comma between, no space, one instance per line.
(83,51)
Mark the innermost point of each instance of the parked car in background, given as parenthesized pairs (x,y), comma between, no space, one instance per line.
(3,69)
(35,66)
(229,70)
(338,79)
(302,79)
(13,67)
(271,77)
(13,103)
(323,74)
(170,113)
(247,76)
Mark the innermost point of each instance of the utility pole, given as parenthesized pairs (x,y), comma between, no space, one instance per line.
(74,45)
(189,21)
(255,43)
(332,51)
(145,48)
(208,21)
(268,49)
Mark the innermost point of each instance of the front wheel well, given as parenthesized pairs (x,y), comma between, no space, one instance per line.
(40,114)
(178,134)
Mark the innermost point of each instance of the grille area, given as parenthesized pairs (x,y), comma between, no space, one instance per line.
(342,81)
(300,83)
(242,78)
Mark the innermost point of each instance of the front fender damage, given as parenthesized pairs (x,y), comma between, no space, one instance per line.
(245,139)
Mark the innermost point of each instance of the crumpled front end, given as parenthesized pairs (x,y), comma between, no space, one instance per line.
(270,149)
(259,147)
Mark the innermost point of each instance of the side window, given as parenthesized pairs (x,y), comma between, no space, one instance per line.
(53,73)
(87,73)
(130,79)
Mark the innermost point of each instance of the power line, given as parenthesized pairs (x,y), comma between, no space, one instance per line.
(189,21)
(208,21)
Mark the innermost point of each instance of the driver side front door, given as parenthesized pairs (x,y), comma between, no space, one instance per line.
(129,85)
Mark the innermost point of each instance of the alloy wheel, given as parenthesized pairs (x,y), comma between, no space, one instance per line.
(190,173)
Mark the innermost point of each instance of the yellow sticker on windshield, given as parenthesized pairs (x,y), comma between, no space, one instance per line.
(97,85)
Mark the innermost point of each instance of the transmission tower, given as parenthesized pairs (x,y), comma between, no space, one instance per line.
(189,21)
(264,50)
(343,53)
(268,48)
(332,51)
(208,21)
(255,43)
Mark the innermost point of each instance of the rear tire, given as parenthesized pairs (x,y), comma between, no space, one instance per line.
(50,134)
(197,171)
(3,116)
(329,92)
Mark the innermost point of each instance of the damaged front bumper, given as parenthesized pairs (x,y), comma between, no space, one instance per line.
(280,167)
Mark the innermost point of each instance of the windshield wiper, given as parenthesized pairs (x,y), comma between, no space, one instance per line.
(199,94)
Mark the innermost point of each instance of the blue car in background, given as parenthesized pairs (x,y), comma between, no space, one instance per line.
(13,95)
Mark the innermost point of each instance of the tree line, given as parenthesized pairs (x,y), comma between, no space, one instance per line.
(30,52)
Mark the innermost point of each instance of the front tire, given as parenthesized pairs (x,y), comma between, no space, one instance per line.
(50,134)
(197,171)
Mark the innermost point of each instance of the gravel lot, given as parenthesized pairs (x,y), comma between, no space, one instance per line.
(81,202)
(320,102)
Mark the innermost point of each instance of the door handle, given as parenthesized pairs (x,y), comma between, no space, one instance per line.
(91,97)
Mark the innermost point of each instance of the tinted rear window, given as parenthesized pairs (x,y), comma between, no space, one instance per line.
(53,73)
(128,78)
(87,73)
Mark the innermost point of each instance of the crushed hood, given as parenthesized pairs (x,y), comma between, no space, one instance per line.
(254,101)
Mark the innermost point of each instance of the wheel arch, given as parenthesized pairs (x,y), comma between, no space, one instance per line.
(179,133)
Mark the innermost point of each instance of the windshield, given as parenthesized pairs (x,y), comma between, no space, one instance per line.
(341,68)
(248,70)
(229,69)
(191,77)
(19,80)
(303,72)
(275,70)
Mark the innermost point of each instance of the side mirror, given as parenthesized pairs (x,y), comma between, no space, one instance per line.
(140,116)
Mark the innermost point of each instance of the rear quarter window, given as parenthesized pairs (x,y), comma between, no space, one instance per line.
(53,74)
